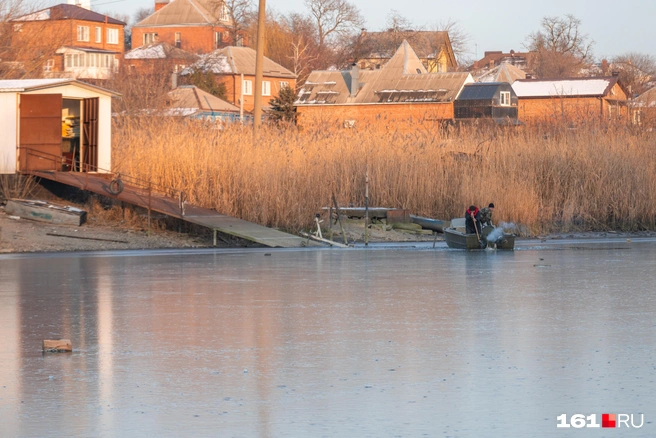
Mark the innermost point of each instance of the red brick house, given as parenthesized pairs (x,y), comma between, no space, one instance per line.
(67,41)
(198,26)
(235,67)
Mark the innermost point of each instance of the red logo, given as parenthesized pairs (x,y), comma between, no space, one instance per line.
(607,420)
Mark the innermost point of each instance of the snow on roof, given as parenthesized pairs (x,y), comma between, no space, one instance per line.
(148,52)
(562,87)
(28,84)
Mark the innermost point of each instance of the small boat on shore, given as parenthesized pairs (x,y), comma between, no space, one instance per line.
(430,224)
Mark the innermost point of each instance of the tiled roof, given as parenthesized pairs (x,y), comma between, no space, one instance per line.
(186,13)
(65,12)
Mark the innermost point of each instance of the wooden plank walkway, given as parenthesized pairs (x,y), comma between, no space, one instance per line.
(99,183)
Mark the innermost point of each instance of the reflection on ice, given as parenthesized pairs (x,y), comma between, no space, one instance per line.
(379,342)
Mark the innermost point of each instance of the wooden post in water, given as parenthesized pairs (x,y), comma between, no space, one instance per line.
(366,207)
(339,217)
(149,196)
(330,224)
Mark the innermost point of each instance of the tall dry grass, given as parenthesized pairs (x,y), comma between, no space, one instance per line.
(545,178)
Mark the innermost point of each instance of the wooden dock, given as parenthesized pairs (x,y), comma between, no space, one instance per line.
(99,183)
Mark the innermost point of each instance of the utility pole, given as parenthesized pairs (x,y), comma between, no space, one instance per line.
(259,61)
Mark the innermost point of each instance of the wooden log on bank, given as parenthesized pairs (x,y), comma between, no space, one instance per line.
(57,345)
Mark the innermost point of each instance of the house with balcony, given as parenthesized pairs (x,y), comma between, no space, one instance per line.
(67,41)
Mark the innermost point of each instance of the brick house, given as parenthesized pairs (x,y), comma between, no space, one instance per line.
(235,67)
(433,48)
(198,26)
(69,41)
(399,95)
(573,100)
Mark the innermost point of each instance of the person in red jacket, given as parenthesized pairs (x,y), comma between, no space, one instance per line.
(473,220)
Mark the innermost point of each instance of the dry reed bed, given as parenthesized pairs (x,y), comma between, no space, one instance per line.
(547,179)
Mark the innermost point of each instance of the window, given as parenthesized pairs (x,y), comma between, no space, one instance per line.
(178,39)
(112,36)
(18,27)
(50,65)
(98,35)
(284,84)
(266,88)
(83,33)
(240,41)
(149,38)
(218,39)
(68,61)
(224,14)
(248,88)
(504,98)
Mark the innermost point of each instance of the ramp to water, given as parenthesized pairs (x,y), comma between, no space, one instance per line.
(99,183)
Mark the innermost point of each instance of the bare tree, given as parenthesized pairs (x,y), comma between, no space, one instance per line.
(238,15)
(561,47)
(460,39)
(333,17)
(635,70)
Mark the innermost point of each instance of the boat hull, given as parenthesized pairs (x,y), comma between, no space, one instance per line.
(430,224)
(459,240)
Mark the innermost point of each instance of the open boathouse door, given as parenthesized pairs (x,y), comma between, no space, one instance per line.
(55,125)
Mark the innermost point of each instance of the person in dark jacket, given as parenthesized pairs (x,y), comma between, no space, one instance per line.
(486,215)
(473,220)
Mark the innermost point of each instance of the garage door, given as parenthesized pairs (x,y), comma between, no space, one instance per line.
(40,135)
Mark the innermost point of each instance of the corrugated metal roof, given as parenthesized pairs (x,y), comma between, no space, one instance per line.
(502,73)
(192,97)
(238,60)
(22,85)
(402,79)
(585,87)
(185,12)
(65,12)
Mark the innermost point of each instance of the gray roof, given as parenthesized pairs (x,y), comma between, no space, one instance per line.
(480,91)
(402,79)
(646,99)
(187,13)
(193,98)
(238,60)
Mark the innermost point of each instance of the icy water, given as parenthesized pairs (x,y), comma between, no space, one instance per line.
(386,342)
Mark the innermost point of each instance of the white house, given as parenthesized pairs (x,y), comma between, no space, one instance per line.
(54,124)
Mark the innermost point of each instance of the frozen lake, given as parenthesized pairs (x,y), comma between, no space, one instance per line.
(383,342)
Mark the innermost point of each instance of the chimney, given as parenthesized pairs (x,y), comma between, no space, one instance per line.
(159,4)
(355,82)
(604,66)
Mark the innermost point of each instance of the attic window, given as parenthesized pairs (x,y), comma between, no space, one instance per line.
(418,71)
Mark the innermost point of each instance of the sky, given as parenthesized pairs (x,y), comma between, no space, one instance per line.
(615,26)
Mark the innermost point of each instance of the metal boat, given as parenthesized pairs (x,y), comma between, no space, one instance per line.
(455,237)
(430,224)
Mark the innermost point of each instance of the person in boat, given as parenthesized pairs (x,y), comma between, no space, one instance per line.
(473,220)
(486,215)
